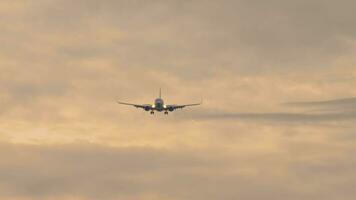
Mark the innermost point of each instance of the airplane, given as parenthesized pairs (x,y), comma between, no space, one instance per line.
(159,105)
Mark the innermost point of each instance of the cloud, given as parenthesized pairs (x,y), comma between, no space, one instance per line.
(64,63)
(345,102)
(342,106)
(92,172)
(279,117)
(179,36)
(333,110)
(88,171)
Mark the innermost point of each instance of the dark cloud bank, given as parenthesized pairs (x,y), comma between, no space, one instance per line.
(333,111)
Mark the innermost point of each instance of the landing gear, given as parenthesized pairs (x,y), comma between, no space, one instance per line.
(152,112)
(166,112)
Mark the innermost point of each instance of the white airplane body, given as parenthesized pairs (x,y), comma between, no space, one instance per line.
(159,105)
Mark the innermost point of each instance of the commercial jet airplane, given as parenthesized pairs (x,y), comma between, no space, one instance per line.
(159,105)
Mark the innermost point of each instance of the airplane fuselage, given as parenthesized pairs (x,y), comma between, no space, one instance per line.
(159,105)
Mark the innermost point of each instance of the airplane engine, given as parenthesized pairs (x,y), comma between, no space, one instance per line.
(171,109)
(147,108)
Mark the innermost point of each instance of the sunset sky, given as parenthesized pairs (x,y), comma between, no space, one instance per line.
(277,77)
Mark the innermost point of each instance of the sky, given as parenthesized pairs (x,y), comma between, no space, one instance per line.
(277,79)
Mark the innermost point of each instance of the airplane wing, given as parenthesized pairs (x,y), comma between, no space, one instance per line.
(144,106)
(174,107)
